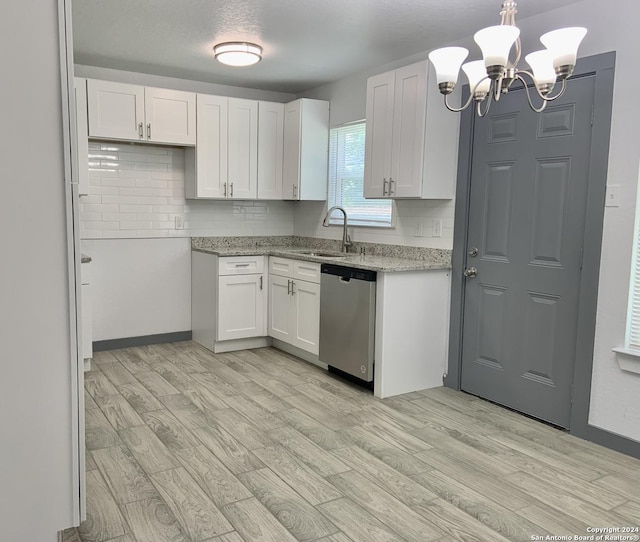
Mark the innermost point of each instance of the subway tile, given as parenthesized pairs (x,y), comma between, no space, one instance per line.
(135,225)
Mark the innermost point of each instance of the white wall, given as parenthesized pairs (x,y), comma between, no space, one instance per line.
(36,492)
(139,286)
(348,103)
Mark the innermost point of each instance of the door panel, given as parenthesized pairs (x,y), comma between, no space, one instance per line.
(116,110)
(170,116)
(211,154)
(280,322)
(243,148)
(527,220)
(240,307)
(270,149)
(306,299)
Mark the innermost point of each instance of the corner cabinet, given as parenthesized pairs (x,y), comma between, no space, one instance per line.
(137,113)
(226,157)
(306,150)
(411,138)
(228,301)
(294,303)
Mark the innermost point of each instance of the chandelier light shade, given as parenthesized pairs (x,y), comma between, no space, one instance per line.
(238,53)
(495,42)
(493,76)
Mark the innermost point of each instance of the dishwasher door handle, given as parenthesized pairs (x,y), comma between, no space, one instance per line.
(344,280)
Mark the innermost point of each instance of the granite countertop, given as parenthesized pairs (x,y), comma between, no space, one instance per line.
(85,259)
(381,263)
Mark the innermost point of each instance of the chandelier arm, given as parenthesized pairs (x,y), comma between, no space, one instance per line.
(526,89)
(486,111)
(457,109)
(562,90)
(546,98)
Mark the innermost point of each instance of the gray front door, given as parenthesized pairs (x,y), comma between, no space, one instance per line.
(527,218)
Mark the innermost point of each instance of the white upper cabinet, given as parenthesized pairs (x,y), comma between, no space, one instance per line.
(270,149)
(116,110)
(242,149)
(306,150)
(226,156)
(411,138)
(170,116)
(137,113)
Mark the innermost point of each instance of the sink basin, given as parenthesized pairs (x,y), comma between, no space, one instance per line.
(323,254)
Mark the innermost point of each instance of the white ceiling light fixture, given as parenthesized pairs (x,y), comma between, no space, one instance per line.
(494,75)
(238,53)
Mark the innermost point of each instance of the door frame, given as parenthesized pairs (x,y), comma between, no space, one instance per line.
(601,66)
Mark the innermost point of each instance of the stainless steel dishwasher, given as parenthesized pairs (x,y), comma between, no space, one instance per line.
(347,320)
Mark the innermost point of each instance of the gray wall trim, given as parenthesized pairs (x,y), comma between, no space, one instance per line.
(602,66)
(613,441)
(127,342)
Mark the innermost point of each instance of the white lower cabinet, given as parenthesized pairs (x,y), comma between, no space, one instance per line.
(228,301)
(294,303)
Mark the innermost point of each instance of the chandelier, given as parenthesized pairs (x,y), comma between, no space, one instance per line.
(493,76)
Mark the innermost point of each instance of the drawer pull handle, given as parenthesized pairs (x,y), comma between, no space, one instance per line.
(242,265)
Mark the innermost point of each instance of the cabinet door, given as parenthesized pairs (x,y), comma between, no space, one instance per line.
(116,110)
(170,116)
(306,301)
(291,153)
(211,153)
(82,135)
(240,307)
(243,149)
(379,127)
(280,321)
(270,149)
(409,115)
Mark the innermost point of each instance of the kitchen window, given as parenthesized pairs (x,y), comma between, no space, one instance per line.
(346,180)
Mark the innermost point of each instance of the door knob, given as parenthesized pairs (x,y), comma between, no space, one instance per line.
(473,252)
(470,272)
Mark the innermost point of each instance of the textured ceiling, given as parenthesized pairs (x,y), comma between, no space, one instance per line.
(306,42)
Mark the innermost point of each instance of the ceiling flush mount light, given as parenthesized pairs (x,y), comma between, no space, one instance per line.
(493,75)
(238,53)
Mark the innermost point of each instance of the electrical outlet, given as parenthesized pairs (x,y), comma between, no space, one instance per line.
(179,222)
(437,228)
(416,230)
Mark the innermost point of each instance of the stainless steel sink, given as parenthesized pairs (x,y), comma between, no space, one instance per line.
(323,254)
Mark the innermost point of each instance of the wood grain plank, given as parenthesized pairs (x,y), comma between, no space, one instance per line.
(205,399)
(124,477)
(254,412)
(169,430)
(227,449)
(151,520)
(497,518)
(338,537)
(394,514)
(105,356)
(455,525)
(299,517)
(315,431)
(401,487)
(262,396)
(254,522)
(131,361)
(608,465)
(629,510)
(104,520)
(117,374)
(358,524)
(220,485)
(89,463)
(118,411)
(188,363)
(241,428)
(551,520)
(98,385)
(151,454)
(229,537)
(173,375)
(387,453)
(185,411)
(156,384)
(319,412)
(98,432)
(306,451)
(393,434)
(306,482)
(192,508)
(493,487)
(141,399)
(619,486)
(89,403)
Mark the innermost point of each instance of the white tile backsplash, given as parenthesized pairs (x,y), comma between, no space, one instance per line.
(136,191)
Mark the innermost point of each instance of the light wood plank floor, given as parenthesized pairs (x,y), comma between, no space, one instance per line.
(186,445)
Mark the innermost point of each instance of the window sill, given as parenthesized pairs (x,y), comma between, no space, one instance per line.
(628,359)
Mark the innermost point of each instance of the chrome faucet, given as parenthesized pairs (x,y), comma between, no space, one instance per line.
(346,240)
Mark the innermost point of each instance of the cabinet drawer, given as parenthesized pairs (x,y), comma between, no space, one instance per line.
(308,271)
(281,266)
(240,265)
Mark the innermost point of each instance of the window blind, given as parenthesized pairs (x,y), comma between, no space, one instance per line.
(633,332)
(346,179)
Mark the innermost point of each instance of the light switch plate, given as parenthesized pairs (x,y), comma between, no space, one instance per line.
(613,195)
(437,228)
(179,222)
